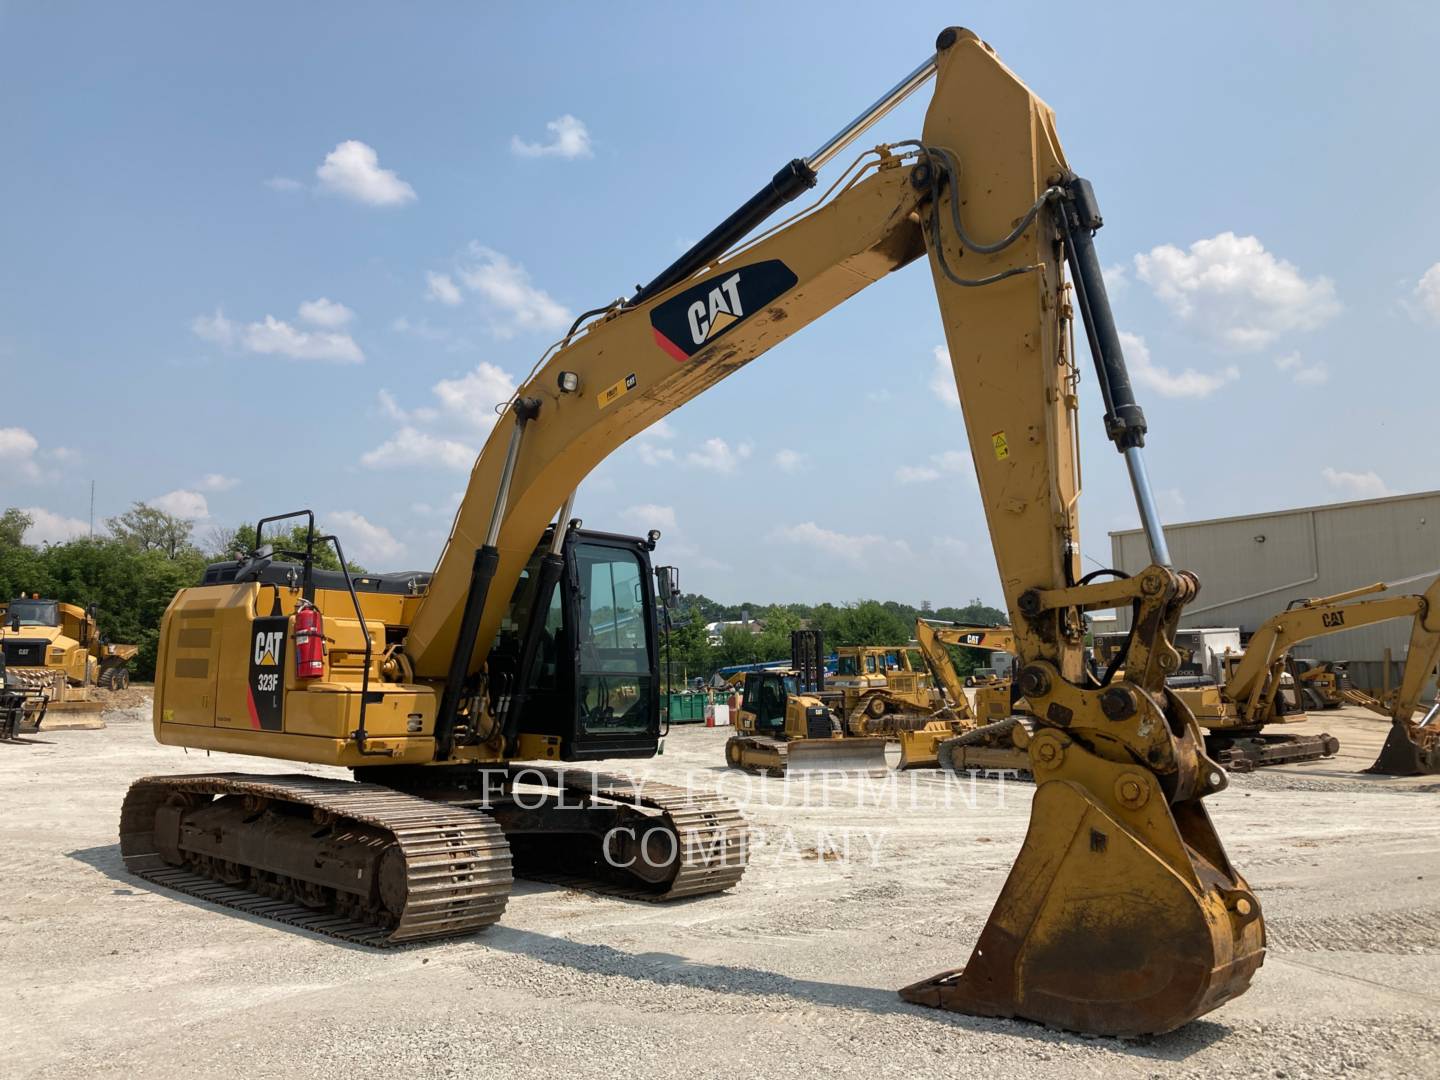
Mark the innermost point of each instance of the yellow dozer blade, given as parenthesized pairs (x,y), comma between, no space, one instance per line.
(1121,916)
(847,755)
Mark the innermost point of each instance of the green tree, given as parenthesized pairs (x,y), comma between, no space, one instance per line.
(13,524)
(870,622)
(773,643)
(148,529)
(737,646)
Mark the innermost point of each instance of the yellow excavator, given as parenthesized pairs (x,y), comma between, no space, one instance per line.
(1249,695)
(978,737)
(534,640)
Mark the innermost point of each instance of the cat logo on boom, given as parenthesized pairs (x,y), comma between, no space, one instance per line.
(1332,618)
(689,321)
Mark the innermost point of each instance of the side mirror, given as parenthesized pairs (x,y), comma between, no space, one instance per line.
(15,622)
(667,584)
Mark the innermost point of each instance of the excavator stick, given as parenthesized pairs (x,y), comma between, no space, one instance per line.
(1122,914)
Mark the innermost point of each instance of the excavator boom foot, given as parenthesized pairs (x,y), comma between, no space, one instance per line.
(1119,917)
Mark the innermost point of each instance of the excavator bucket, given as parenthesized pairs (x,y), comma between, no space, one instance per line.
(1411,749)
(1121,915)
(848,755)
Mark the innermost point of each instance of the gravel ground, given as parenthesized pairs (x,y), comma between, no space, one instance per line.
(791,974)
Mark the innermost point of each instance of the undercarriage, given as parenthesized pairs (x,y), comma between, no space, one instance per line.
(379,866)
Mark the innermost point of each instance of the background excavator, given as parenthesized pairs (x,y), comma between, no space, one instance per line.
(535,640)
(972,736)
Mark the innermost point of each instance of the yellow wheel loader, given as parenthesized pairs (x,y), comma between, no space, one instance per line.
(780,730)
(56,661)
(533,641)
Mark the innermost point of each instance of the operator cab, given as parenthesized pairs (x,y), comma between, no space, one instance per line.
(33,612)
(765,696)
(593,676)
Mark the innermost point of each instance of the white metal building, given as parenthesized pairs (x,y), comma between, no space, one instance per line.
(1251,567)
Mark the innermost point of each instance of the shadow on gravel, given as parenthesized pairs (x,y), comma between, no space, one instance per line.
(668,969)
(107,859)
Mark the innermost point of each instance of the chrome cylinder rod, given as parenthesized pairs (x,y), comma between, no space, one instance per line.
(1145,503)
(887,101)
(562,525)
(525,411)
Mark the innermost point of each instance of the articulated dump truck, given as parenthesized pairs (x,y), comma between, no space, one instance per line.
(55,665)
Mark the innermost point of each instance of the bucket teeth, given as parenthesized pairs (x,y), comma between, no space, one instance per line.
(1113,921)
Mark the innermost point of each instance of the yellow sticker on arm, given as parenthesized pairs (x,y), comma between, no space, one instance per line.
(612,394)
(1002,448)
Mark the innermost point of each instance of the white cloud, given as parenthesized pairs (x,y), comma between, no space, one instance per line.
(472,397)
(716,455)
(190,505)
(325,312)
(1117,279)
(568,139)
(1427,294)
(17,453)
(1186,384)
(48,528)
(916,474)
(425,332)
(854,548)
(651,516)
(791,461)
(216,482)
(647,444)
(466,407)
(411,446)
(1301,372)
(277,337)
(948,462)
(283,183)
(1231,288)
(942,379)
(362,539)
(1357,485)
(216,328)
(505,286)
(443,288)
(353,170)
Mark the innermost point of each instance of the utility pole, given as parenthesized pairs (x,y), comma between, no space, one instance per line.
(92,508)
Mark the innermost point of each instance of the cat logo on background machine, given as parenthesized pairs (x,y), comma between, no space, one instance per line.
(686,323)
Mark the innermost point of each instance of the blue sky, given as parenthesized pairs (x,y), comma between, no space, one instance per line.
(275,255)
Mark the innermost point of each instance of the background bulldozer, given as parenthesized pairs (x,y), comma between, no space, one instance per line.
(793,720)
(55,660)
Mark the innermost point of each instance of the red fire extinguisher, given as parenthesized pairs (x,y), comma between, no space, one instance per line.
(309,641)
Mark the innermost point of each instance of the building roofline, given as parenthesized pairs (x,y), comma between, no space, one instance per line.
(1282,513)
